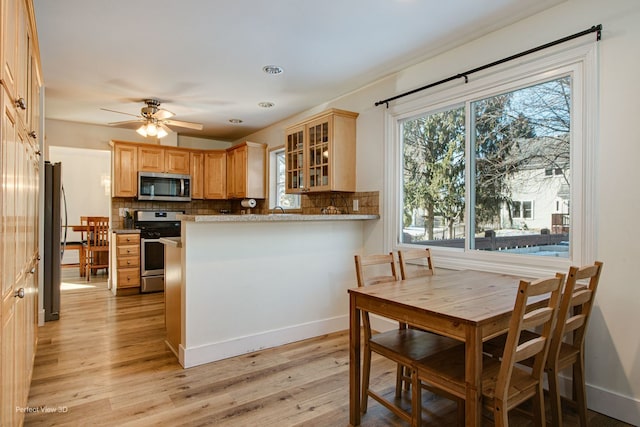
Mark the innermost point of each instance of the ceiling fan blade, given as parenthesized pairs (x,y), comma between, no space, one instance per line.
(190,125)
(163,114)
(121,112)
(124,123)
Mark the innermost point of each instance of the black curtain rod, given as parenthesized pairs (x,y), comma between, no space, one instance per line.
(595,29)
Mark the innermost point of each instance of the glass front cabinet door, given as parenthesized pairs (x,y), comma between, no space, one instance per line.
(320,153)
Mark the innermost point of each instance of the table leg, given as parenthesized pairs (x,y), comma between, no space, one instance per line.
(473,377)
(354,362)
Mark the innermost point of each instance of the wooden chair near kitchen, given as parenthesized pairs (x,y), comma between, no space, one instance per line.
(505,385)
(415,263)
(97,245)
(567,343)
(402,345)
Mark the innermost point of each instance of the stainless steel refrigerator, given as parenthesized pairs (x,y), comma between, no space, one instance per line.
(53,213)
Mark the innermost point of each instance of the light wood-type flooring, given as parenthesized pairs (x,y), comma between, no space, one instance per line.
(105,363)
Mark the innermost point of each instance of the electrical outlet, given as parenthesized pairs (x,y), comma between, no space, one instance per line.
(356,205)
(121,212)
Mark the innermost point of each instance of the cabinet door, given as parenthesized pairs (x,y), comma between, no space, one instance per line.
(237,173)
(176,161)
(125,179)
(295,161)
(196,166)
(9,44)
(150,159)
(317,151)
(215,175)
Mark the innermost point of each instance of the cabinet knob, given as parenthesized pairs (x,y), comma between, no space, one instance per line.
(19,293)
(21,103)
(33,134)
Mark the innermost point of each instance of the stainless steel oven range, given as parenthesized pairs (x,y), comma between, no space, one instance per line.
(153,225)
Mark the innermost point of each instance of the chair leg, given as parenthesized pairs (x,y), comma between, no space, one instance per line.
(416,400)
(539,415)
(554,397)
(366,373)
(580,390)
(400,373)
(500,414)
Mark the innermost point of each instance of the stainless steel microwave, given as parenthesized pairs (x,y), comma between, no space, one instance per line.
(164,187)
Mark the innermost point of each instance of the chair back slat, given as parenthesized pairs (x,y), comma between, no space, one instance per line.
(515,349)
(575,308)
(421,263)
(376,260)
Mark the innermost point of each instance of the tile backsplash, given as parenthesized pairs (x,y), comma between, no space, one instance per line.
(312,204)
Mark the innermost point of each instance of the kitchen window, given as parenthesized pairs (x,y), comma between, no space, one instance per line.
(277,187)
(472,162)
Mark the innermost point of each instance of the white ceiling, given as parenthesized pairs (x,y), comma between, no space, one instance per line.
(203,58)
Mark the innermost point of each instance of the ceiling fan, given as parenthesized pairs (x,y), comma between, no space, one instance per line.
(155,120)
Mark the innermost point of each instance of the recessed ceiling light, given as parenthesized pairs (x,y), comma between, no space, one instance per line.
(266,104)
(235,121)
(272,69)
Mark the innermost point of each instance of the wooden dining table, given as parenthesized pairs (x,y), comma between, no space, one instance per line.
(470,306)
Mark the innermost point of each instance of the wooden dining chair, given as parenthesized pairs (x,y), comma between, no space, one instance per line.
(402,345)
(567,342)
(415,263)
(505,384)
(97,246)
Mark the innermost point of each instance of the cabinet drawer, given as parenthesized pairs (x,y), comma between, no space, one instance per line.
(128,277)
(127,239)
(128,262)
(128,251)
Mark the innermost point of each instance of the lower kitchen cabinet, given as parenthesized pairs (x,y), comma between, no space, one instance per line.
(125,263)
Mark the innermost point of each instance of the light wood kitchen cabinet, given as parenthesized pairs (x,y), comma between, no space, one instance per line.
(196,166)
(124,167)
(19,195)
(150,159)
(125,261)
(320,153)
(161,159)
(176,161)
(246,171)
(215,175)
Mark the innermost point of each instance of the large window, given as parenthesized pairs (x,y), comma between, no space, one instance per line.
(496,168)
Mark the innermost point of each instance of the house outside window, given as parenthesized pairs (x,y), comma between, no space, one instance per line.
(486,168)
(277,187)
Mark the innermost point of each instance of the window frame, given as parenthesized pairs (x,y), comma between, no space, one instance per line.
(273,181)
(578,59)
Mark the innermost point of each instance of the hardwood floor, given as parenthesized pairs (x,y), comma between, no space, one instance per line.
(105,363)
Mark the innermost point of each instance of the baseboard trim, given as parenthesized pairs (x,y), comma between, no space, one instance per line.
(194,356)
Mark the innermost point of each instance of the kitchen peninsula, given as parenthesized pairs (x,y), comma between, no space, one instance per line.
(249,282)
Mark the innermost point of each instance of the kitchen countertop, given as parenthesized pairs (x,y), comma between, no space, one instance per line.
(274,218)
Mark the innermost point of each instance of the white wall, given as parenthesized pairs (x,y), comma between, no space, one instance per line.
(86,178)
(613,344)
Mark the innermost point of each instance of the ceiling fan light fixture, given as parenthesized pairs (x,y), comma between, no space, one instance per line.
(142,130)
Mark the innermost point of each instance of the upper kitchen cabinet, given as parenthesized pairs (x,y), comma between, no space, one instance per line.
(161,159)
(124,169)
(215,175)
(19,51)
(320,153)
(196,167)
(246,171)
